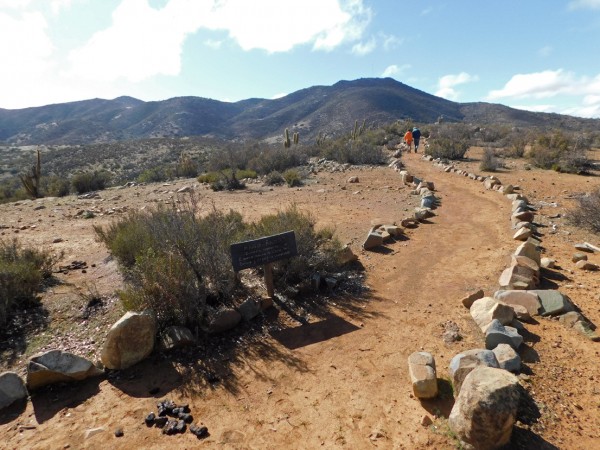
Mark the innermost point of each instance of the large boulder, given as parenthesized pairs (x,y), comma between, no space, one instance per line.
(528,299)
(553,302)
(464,363)
(487,357)
(374,239)
(508,358)
(496,334)
(486,408)
(421,368)
(486,309)
(129,340)
(57,366)
(517,278)
(12,389)
(530,250)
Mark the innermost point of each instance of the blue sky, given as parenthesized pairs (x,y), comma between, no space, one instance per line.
(540,55)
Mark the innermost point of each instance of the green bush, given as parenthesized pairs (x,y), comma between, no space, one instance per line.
(292,178)
(22,271)
(587,213)
(153,175)
(90,181)
(55,186)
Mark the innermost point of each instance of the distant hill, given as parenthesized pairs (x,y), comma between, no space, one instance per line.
(328,109)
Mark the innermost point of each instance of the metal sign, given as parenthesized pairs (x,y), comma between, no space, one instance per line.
(263,251)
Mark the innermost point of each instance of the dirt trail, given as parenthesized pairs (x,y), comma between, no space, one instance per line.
(340,381)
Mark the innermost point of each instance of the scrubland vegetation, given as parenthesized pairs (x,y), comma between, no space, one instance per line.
(176,261)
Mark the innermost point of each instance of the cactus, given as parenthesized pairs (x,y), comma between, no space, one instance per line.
(296,138)
(286,139)
(31,181)
(320,139)
(355,131)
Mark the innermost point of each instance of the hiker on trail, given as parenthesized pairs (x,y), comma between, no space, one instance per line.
(408,137)
(416,134)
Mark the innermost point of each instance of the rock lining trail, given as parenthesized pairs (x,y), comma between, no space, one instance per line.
(342,380)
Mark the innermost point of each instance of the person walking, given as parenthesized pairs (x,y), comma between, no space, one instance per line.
(408,138)
(416,134)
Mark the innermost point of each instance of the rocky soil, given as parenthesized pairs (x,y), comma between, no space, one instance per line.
(341,379)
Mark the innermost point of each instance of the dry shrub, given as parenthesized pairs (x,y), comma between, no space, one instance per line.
(587,214)
(22,271)
(489,161)
(177,262)
(560,152)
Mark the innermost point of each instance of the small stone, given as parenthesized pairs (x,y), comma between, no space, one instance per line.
(160,422)
(150,418)
(92,432)
(579,257)
(119,432)
(469,299)
(426,421)
(547,263)
(199,432)
(586,265)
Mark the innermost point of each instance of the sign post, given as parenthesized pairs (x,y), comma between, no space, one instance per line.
(263,252)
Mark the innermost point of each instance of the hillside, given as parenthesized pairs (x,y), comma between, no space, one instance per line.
(327,109)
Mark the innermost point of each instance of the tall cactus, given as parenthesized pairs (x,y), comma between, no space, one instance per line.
(286,139)
(296,138)
(31,181)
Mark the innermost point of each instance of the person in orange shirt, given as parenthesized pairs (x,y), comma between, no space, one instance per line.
(408,138)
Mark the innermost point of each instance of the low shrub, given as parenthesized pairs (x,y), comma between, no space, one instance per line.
(489,161)
(559,152)
(292,178)
(22,271)
(90,181)
(587,213)
(174,260)
(445,148)
(178,263)
(55,186)
(153,175)
(274,179)
(316,252)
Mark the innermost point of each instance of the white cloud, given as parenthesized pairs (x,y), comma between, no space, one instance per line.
(14,4)
(393,70)
(426,11)
(57,5)
(278,26)
(584,4)
(548,83)
(28,56)
(143,42)
(558,84)
(364,48)
(447,84)
(280,95)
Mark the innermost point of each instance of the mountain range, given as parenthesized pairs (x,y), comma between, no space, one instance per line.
(318,109)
